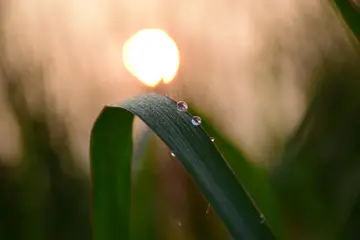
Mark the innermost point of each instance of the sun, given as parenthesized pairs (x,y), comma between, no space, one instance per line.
(151,55)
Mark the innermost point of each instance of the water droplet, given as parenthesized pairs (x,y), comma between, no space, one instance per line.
(182,106)
(207,209)
(172,154)
(212,139)
(179,223)
(196,120)
(262,217)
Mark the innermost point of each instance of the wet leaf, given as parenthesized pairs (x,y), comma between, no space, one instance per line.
(111,149)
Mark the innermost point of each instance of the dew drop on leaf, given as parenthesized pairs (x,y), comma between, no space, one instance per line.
(182,106)
(196,120)
(207,209)
(262,219)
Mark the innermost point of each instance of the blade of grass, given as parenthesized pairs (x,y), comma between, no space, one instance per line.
(254,178)
(143,203)
(110,152)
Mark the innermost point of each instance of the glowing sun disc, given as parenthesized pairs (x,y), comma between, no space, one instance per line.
(151,55)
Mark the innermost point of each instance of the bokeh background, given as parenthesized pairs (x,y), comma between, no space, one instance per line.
(253,68)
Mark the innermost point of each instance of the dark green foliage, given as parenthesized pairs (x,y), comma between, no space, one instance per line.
(111,156)
(39,198)
(319,176)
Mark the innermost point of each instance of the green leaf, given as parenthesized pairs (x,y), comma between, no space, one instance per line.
(111,149)
(254,178)
(144,224)
(110,152)
(351,15)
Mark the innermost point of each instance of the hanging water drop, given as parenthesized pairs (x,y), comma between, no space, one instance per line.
(196,120)
(207,209)
(212,139)
(182,106)
(262,218)
(172,154)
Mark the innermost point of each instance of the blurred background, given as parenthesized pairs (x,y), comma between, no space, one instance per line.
(279,80)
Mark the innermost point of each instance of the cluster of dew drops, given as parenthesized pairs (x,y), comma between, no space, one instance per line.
(195,120)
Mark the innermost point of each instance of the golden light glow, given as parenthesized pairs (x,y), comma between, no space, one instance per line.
(151,56)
